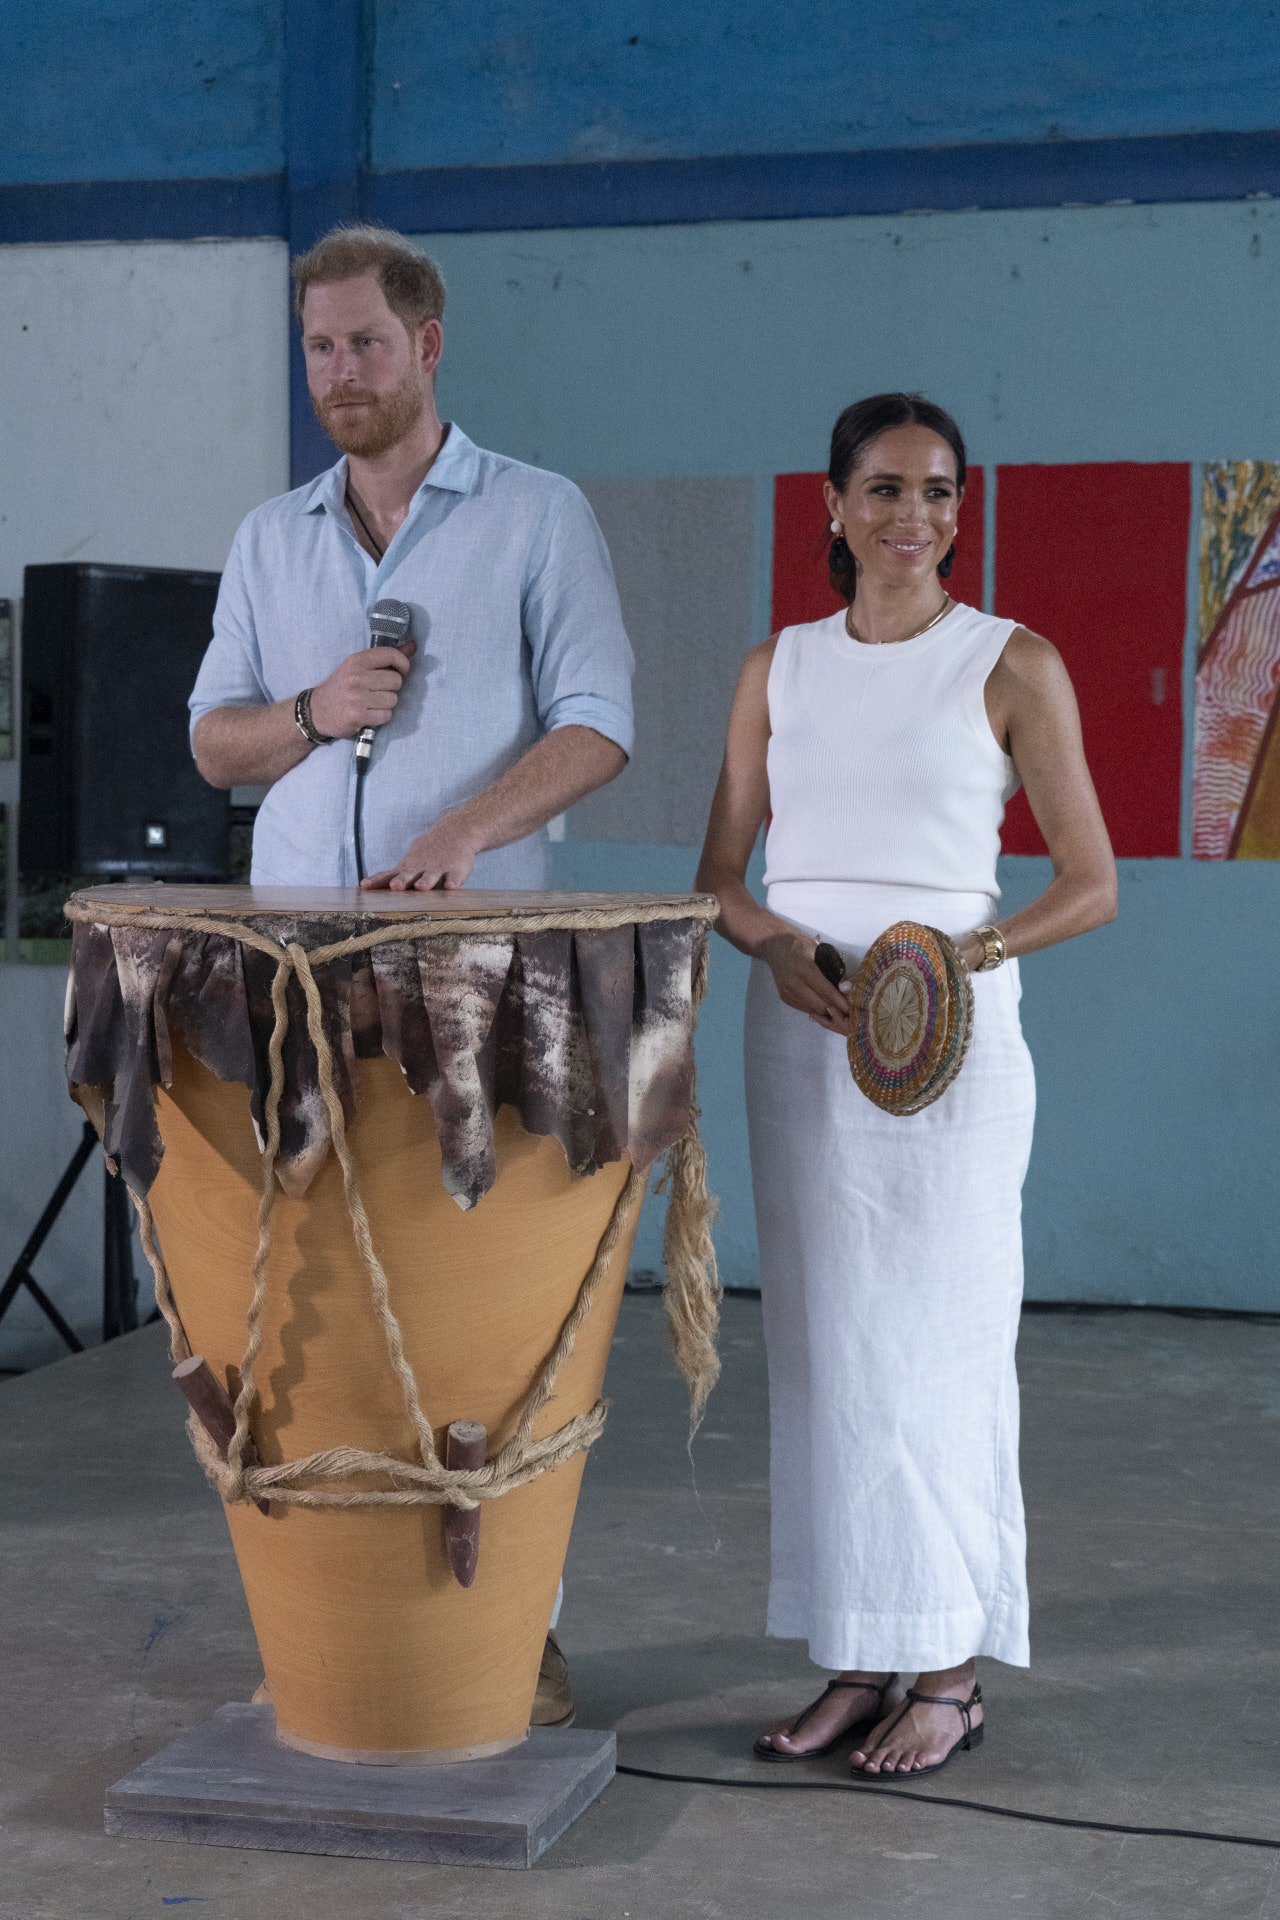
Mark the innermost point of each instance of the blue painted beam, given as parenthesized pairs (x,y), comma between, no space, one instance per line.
(233,209)
(1208,166)
(325,187)
(325,143)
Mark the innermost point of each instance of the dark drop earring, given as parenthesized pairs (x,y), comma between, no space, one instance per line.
(947,561)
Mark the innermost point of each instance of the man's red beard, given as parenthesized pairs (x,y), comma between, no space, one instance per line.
(383,422)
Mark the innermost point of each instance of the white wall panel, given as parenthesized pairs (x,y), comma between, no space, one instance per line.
(143,399)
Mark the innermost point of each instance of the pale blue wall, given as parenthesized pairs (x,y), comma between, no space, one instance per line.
(1140,333)
(1154,1175)
(1129,333)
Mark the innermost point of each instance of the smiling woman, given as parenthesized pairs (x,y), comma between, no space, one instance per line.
(871,510)
(882,745)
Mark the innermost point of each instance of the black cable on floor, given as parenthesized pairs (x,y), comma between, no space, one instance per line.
(1087,1309)
(943,1800)
(646,1280)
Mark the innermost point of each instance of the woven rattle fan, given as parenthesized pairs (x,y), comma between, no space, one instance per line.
(911,1016)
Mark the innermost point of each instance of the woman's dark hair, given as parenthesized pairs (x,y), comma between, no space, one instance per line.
(853,433)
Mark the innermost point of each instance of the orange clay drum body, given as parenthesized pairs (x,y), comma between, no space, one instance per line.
(500,1091)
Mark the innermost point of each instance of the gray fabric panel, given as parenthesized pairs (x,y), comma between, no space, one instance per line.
(682,554)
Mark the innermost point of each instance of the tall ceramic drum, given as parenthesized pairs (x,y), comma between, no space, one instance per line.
(389,1153)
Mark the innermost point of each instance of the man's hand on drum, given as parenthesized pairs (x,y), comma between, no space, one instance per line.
(361,691)
(441,857)
(802,984)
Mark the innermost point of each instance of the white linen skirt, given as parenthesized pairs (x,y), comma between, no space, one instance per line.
(891,1275)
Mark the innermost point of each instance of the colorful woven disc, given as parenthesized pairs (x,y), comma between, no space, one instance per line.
(911,1018)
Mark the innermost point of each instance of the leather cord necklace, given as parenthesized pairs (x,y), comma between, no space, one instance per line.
(365,528)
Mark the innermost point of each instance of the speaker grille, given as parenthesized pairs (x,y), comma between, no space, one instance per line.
(109,657)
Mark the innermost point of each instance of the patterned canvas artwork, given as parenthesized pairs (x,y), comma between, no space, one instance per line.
(1236,777)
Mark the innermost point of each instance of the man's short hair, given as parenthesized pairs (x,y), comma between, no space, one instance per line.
(413,284)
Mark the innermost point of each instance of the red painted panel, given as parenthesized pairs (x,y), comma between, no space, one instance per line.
(1095,558)
(801,590)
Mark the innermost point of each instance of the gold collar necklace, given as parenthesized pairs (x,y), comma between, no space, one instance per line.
(851,630)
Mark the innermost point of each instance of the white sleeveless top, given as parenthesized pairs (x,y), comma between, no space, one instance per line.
(882,763)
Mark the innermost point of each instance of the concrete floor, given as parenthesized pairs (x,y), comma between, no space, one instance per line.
(1152,1469)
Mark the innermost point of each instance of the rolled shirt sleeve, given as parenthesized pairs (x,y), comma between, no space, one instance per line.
(231,672)
(582,661)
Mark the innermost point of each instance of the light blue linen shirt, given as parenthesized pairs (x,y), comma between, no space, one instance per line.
(519,631)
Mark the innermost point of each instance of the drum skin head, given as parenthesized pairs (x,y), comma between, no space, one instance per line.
(911,1017)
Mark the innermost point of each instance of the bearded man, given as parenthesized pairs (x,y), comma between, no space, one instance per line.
(512,698)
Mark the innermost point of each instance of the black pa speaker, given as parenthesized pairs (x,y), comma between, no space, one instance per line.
(109,657)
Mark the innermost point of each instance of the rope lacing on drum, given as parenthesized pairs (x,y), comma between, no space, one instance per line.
(692,1295)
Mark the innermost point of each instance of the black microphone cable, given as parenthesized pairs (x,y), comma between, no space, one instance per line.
(947,1800)
(389,622)
(357,811)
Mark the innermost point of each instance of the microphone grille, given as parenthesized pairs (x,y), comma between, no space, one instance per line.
(389,623)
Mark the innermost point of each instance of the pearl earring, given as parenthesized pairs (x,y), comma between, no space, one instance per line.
(836,527)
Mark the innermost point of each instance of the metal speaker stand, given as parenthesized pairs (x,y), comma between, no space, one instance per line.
(119,1283)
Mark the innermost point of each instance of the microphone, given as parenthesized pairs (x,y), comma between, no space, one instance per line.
(388,627)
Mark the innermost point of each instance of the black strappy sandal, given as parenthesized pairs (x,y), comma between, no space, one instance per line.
(851,1732)
(969,1739)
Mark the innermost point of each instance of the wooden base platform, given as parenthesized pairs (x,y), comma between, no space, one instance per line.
(230,1783)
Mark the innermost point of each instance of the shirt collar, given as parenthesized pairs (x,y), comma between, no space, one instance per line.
(456,469)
